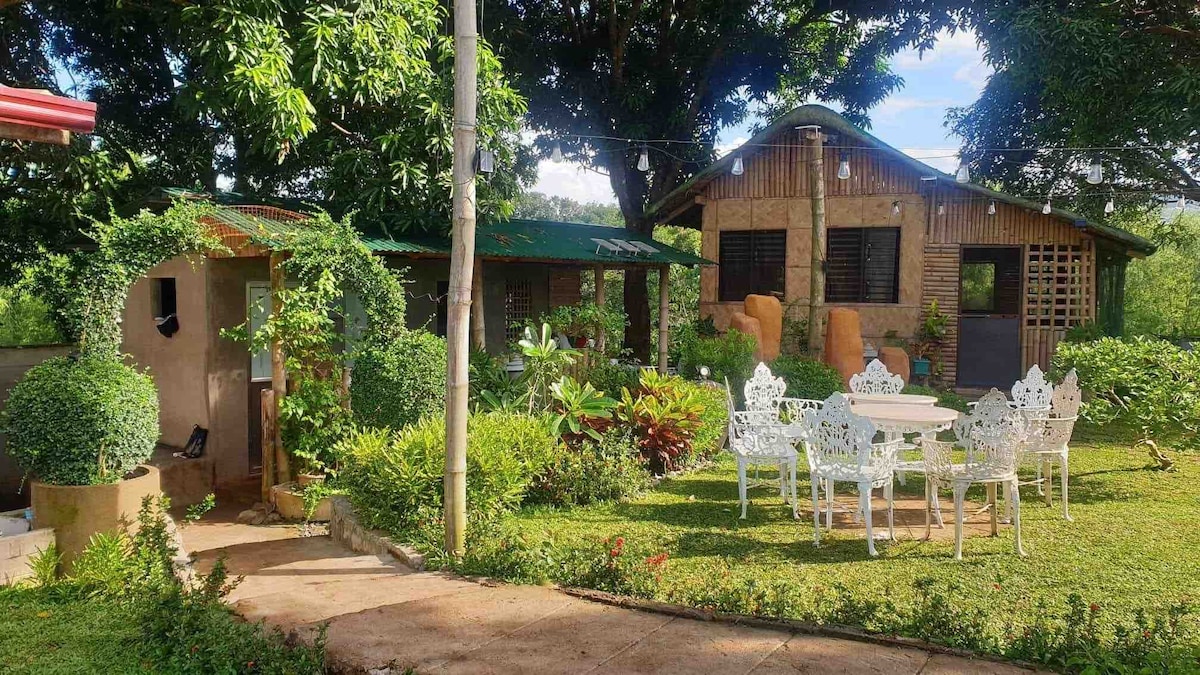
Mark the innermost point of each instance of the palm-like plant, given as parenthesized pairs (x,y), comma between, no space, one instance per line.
(582,409)
(544,363)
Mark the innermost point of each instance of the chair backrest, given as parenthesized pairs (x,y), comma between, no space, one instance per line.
(1033,392)
(764,389)
(992,432)
(837,436)
(791,410)
(876,380)
(758,433)
(1067,397)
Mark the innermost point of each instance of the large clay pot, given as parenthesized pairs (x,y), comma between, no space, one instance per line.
(896,360)
(750,326)
(76,512)
(843,343)
(769,312)
(289,502)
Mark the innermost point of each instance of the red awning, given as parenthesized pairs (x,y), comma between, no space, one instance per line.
(34,108)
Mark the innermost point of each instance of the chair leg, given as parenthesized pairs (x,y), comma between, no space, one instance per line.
(1040,465)
(792,488)
(937,509)
(992,510)
(900,477)
(889,494)
(1048,480)
(816,501)
(959,490)
(742,486)
(783,492)
(829,503)
(864,500)
(1062,479)
(928,505)
(1016,502)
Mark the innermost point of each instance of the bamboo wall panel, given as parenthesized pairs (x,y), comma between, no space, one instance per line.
(781,170)
(1059,293)
(941,284)
(966,221)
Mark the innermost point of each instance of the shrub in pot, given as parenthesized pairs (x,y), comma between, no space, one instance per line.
(397,383)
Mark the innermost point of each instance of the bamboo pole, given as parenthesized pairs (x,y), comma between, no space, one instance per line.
(283,472)
(478,330)
(462,257)
(664,307)
(600,301)
(266,414)
(816,287)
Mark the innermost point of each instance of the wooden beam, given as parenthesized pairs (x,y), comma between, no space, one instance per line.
(267,412)
(664,307)
(283,472)
(478,332)
(22,132)
(600,301)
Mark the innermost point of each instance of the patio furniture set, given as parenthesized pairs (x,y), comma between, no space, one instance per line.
(863,438)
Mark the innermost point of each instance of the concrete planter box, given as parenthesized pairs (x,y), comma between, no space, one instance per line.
(17,550)
(289,502)
(76,512)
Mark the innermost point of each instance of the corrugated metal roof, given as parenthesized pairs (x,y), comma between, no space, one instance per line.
(524,240)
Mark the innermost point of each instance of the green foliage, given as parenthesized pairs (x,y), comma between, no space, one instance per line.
(807,378)
(25,319)
(945,397)
(399,382)
(1087,331)
(312,419)
(578,409)
(714,421)
(544,364)
(730,356)
(81,422)
(1162,291)
(664,416)
(538,206)
(584,320)
(592,470)
(487,373)
(609,378)
(1142,383)
(394,478)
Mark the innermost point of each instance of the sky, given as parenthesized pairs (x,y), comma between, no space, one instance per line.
(951,74)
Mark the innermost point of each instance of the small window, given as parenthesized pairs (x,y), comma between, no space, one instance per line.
(978,287)
(443,317)
(752,263)
(163,297)
(518,308)
(862,264)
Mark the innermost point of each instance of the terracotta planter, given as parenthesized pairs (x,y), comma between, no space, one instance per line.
(306,479)
(76,512)
(289,502)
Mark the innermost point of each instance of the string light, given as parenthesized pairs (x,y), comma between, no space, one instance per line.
(556,156)
(963,175)
(844,167)
(1095,174)
(941,208)
(992,207)
(1182,202)
(738,167)
(1046,207)
(1110,207)
(896,208)
(643,164)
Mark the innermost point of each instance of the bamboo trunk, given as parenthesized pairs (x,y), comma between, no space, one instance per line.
(664,306)
(816,292)
(462,256)
(478,332)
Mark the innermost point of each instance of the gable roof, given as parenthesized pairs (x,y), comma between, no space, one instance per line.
(829,120)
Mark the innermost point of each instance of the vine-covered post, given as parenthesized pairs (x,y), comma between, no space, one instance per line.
(600,302)
(462,256)
(664,307)
(278,375)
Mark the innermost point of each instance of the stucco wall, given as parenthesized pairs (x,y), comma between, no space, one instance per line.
(795,215)
(14,361)
(177,363)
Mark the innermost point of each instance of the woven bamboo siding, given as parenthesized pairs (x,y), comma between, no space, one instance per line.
(941,284)
(966,222)
(782,171)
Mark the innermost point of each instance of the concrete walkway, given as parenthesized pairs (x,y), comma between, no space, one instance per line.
(381,614)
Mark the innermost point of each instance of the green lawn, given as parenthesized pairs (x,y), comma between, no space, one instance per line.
(41,633)
(1133,544)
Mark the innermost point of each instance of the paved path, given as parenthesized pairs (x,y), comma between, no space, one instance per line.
(381,614)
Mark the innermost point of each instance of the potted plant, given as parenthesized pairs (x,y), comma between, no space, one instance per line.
(928,340)
(583,322)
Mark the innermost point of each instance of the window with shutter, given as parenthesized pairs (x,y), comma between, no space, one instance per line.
(862,264)
(752,262)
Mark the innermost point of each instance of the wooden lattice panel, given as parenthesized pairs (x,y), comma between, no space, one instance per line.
(518,307)
(1059,294)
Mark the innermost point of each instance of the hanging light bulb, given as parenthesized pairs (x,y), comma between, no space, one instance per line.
(1182,202)
(844,167)
(941,209)
(896,208)
(738,167)
(556,155)
(963,175)
(1046,207)
(1095,175)
(992,208)
(643,164)
(1110,206)
(33,170)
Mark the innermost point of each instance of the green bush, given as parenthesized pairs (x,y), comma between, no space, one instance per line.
(946,399)
(1142,383)
(807,378)
(81,422)
(396,384)
(714,419)
(729,356)
(592,471)
(610,377)
(394,478)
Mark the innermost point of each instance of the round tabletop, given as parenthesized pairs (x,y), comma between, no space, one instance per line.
(903,399)
(904,418)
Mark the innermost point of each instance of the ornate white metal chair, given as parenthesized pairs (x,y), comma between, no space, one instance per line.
(1032,393)
(1050,438)
(763,390)
(840,450)
(876,380)
(757,437)
(992,435)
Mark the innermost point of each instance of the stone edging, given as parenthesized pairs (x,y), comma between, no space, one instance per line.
(799,627)
(345,529)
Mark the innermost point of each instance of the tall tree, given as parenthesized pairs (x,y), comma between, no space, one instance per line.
(681,70)
(1087,73)
(344,102)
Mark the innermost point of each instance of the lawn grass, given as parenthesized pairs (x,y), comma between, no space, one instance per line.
(1132,545)
(41,633)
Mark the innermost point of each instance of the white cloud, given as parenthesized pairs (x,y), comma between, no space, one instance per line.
(974,74)
(942,159)
(567,179)
(961,45)
(725,147)
(893,107)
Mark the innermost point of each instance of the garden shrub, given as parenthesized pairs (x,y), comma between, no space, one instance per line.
(664,414)
(945,397)
(398,383)
(592,471)
(807,378)
(729,356)
(394,477)
(610,377)
(1142,383)
(714,420)
(81,421)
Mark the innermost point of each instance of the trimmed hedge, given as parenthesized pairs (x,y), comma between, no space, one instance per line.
(728,356)
(807,378)
(396,384)
(81,422)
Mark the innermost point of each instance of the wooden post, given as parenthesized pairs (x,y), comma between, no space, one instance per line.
(478,332)
(816,286)
(267,412)
(600,301)
(462,258)
(283,472)
(664,308)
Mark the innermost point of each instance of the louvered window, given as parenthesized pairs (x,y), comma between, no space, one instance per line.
(862,264)
(752,262)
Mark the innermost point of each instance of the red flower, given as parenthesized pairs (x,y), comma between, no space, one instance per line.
(1094,607)
(657,560)
(1146,634)
(620,542)
(996,586)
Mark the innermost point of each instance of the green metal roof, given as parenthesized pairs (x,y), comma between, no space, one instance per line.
(826,118)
